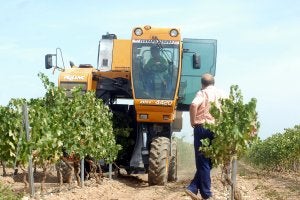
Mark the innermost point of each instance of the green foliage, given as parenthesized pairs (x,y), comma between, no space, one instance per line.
(81,124)
(121,124)
(234,128)
(281,151)
(7,194)
(122,130)
(10,128)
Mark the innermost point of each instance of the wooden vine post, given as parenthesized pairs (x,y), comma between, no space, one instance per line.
(30,168)
(233,177)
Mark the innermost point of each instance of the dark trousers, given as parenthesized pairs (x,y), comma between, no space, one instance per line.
(201,179)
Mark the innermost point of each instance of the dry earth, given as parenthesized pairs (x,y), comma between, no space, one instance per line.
(254,185)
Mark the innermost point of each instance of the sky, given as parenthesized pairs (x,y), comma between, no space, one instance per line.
(258,44)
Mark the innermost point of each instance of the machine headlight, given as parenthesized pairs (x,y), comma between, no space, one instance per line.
(166,117)
(147,27)
(143,116)
(138,31)
(173,33)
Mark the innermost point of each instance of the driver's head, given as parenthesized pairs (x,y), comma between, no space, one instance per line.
(154,51)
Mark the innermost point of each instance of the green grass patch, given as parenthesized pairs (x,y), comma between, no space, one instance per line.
(6,193)
(186,155)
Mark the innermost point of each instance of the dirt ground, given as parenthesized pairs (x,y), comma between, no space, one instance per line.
(254,185)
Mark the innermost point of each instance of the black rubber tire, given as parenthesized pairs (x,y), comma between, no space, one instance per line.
(159,161)
(173,163)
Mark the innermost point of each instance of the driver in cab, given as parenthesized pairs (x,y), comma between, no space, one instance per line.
(155,69)
(156,63)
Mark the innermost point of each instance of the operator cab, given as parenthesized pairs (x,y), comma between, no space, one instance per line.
(155,65)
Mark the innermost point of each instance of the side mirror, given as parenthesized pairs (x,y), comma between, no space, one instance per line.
(196,61)
(48,61)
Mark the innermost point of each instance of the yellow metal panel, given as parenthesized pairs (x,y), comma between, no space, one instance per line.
(112,74)
(94,85)
(121,55)
(155,109)
(82,75)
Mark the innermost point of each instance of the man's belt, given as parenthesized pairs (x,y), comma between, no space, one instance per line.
(198,125)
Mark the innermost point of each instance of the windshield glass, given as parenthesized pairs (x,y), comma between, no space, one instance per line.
(155,68)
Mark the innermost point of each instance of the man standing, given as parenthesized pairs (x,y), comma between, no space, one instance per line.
(199,114)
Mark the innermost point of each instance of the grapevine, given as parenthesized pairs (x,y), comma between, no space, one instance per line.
(234,130)
(280,152)
(81,124)
(10,127)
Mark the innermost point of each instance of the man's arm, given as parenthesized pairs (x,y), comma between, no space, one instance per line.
(148,65)
(193,111)
(158,66)
(194,107)
(163,64)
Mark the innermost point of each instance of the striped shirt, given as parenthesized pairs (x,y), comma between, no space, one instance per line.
(199,109)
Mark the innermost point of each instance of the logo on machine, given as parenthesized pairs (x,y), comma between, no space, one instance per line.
(155,42)
(156,102)
(73,77)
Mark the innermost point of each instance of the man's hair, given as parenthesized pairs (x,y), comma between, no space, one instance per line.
(207,80)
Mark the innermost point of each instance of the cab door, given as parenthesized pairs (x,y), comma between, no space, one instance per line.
(198,58)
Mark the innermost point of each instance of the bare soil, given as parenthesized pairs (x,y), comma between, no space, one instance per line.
(253,185)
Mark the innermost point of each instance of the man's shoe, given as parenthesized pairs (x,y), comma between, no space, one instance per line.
(209,198)
(192,195)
